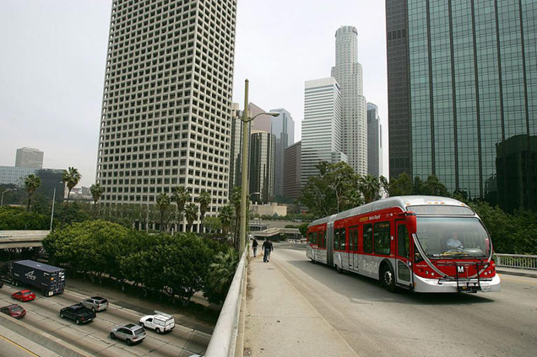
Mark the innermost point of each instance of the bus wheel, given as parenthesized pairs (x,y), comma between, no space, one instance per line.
(387,278)
(339,270)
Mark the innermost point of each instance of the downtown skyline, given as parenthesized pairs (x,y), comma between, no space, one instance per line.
(64,124)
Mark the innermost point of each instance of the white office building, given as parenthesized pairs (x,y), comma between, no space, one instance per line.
(29,158)
(321,127)
(348,73)
(166,114)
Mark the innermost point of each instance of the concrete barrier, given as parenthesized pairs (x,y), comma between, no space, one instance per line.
(50,342)
(224,338)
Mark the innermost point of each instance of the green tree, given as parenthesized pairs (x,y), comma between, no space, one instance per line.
(96,193)
(71,177)
(32,183)
(163,204)
(434,187)
(401,186)
(333,190)
(181,196)
(186,266)
(370,187)
(204,201)
(235,198)
(16,218)
(226,218)
(191,213)
(212,224)
(220,276)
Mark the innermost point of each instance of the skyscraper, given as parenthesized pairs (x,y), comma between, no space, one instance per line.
(283,128)
(235,162)
(373,140)
(261,178)
(167,105)
(291,171)
(321,127)
(30,158)
(463,79)
(348,73)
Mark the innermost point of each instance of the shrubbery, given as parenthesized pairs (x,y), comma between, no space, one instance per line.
(178,265)
(16,218)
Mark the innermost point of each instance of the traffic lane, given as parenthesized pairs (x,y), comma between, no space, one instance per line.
(44,312)
(181,336)
(13,349)
(375,322)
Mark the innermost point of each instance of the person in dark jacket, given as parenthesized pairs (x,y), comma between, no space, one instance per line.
(267,248)
(254,246)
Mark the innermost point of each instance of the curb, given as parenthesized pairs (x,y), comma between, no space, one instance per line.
(517,273)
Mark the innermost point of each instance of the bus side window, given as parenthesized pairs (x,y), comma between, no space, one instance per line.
(382,238)
(320,238)
(312,237)
(353,238)
(368,238)
(342,239)
(402,239)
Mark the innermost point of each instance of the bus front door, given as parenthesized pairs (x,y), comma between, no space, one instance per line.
(403,262)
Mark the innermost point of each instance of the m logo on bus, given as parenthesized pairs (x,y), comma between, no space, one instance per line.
(460,269)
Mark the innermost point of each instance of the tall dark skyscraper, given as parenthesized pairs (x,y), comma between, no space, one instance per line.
(462,80)
(166,117)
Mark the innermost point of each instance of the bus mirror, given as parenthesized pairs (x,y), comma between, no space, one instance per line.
(411,222)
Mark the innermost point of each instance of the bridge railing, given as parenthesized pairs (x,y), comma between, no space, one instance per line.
(224,339)
(516,261)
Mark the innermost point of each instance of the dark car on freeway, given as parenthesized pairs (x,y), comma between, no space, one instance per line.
(78,313)
(129,333)
(14,310)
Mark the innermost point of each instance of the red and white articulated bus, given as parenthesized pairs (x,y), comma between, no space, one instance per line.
(422,243)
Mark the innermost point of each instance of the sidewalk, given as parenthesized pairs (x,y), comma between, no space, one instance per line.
(280,322)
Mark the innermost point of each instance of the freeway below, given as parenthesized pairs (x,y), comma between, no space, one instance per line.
(375,322)
(43,314)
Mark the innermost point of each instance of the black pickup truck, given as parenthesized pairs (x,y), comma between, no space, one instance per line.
(78,313)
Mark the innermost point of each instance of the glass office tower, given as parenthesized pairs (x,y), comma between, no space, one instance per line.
(467,73)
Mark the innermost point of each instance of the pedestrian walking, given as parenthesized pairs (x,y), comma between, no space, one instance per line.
(254,246)
(267,248)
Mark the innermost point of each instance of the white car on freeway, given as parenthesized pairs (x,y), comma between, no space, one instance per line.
(160,322)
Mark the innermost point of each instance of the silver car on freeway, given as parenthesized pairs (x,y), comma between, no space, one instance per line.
(129,333)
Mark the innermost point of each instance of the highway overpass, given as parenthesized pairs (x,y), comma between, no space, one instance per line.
(22,239)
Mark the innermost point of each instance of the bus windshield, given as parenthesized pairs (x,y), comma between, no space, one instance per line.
(444,238)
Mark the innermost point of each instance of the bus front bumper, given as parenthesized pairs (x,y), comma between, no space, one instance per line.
(424,285)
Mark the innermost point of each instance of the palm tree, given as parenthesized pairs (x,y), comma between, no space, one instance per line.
(236,204)
(369,186)
(226,217)
(96,192)
(191,213)
(220,276)
(163,203)
(32,183)
(71,177)
(204,201)
(181,196)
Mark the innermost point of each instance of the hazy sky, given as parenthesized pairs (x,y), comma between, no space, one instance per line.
(53,62)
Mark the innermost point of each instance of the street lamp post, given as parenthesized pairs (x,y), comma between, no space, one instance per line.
(244,190)
(52,211)
(2,200)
